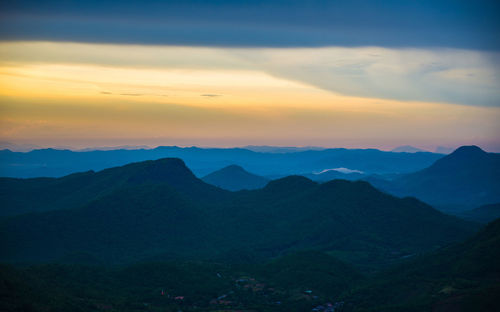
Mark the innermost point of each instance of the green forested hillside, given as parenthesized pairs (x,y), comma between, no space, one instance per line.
(462,277)
(152,237)
(19,196)
(160,210)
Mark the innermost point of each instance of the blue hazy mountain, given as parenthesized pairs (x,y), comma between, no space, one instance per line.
(57,163)
(467,178)
(235,178)
(281,149)
(153,208)
(407,149)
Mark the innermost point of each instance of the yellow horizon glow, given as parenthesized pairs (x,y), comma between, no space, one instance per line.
(42,99)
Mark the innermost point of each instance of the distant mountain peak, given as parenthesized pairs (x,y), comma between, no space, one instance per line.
(468,150)
(168,164)
(165,169)
(407,149)
(233,168)
(462,156)
(235,178)
(466,178)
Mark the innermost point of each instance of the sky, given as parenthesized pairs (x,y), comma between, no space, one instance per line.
(233,73)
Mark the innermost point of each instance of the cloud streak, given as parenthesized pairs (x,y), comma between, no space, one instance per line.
(432,75)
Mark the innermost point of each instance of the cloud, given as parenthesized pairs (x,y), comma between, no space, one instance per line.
(132,94)
(427,75)
(341,170)
(293,23)
(433,75)
(211,95)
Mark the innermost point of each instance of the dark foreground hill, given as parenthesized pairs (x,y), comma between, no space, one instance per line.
(462,277)
(235,178)
(296,282)
(20,196)
(467,178)
(159,209)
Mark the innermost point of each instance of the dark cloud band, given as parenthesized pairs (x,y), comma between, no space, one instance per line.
(457,24)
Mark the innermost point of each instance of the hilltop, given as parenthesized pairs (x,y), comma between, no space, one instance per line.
(235,178)
(467,178)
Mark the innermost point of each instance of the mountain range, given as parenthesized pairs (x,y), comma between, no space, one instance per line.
(467,178)
(151,236)
(58,163)
(407,149)
(160,209)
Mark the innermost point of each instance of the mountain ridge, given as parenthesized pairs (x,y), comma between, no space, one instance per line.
(161,207)
(464,179)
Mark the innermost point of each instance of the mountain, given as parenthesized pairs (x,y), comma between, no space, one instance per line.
(466,178)
(160,209)
(110,148)
(483,214)
(41,194)
(235,178)
(407,149)
(461,277)
(18,147)
(58,163)
(340,215)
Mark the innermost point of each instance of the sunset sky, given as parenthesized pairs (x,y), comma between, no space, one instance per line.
(234,73)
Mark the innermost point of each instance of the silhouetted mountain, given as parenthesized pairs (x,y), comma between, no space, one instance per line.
(57,163)
(468,177)
(159,207)
(235,178)
(462,277)
(482,214)
(41,194)
(407,149)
